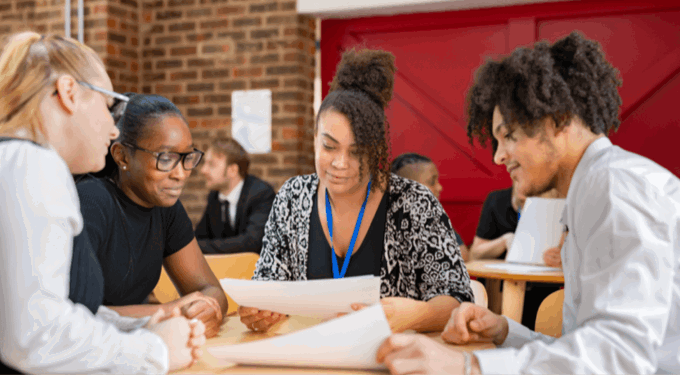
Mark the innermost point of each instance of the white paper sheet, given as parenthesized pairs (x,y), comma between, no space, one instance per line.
(351,341)
(521,268)
(539,229)
(315,298)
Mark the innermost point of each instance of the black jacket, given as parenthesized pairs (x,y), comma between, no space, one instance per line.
(252,212)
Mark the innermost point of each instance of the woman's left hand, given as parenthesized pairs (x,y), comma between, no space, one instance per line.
(401,313)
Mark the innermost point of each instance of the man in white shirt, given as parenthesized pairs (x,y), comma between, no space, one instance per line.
(550,109)
(238,203)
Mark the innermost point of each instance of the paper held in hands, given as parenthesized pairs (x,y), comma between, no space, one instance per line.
(539,229)
(351,341)
(314,298)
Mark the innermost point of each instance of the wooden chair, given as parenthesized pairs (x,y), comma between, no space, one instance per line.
(235,266)
(549,315)
(479,292)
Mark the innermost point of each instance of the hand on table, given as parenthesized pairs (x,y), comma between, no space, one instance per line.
(552,257)
(259,320)
(401,313)
(473,323)
(204,308)
(418,354)
(183,337)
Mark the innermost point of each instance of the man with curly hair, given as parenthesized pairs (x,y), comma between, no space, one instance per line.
(550,109)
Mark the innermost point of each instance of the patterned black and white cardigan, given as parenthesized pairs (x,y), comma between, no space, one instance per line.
(421,258)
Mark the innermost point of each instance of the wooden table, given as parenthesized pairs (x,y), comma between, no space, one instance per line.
(514,284)
(234,332)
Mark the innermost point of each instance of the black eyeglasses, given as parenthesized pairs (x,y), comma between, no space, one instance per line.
(167,161)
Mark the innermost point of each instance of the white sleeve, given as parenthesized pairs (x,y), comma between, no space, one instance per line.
(123,323)
(625,242)
(41,331)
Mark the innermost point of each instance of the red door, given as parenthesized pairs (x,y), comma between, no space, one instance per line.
(437,54)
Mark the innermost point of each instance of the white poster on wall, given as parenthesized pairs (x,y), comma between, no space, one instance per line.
(251,120)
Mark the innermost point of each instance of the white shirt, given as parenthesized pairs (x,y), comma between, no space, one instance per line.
(41,330)
(232,198)
(622,286)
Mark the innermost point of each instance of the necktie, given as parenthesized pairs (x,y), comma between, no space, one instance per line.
(228,231)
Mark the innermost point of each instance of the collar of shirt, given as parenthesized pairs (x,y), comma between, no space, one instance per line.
(583,165)
(233,196)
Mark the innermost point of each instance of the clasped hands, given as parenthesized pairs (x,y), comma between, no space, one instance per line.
(418,354)
(198,306)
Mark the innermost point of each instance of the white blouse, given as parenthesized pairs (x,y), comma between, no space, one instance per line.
(41,330)
(622,286)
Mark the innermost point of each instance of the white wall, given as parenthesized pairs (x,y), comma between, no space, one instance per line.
(363,8)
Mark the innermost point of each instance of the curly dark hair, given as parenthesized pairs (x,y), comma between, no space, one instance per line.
(361,90)
(569,78)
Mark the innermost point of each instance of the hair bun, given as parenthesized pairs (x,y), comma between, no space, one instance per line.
(370,71)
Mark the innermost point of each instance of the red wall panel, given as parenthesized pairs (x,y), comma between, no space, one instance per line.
(437,54)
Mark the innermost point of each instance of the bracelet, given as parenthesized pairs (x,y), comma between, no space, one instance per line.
(468,363)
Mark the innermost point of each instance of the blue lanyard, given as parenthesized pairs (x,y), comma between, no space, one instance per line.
(329,221)
(519,214)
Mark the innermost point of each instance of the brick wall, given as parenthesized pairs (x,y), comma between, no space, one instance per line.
(196,52)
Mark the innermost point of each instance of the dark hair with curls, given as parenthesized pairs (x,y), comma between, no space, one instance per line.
(361,90)
(569,78)
(406,159)
(133,119)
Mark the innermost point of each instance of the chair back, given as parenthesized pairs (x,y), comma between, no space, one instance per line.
(235,266)
(549,315)
(479,292)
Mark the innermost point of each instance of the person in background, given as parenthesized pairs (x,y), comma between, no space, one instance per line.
(622,289)
(353,217)
(135,222)
(421,169)
(54,122)
(238,203)
(497,224)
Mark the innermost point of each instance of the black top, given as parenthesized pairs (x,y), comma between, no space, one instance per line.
(87,279)
(498,217)
(214,235)
(366,260)
(129,240)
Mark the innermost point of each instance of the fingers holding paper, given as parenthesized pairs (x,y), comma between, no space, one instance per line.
(259,320)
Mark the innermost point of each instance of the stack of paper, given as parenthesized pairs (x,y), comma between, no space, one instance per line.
(351,341)
(315,298)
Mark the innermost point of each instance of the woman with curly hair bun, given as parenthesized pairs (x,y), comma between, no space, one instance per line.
(352,217)
(550,109)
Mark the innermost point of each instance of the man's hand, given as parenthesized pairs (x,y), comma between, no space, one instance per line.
(473,323)
(417,354)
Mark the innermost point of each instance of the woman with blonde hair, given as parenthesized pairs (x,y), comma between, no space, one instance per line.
(54,122)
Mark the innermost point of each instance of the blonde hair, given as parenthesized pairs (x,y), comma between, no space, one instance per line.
(29,64)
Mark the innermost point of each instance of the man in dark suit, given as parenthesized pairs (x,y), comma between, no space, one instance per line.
(238,203)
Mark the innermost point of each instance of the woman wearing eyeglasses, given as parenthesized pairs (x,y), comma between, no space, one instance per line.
(53,123)
(135,222)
